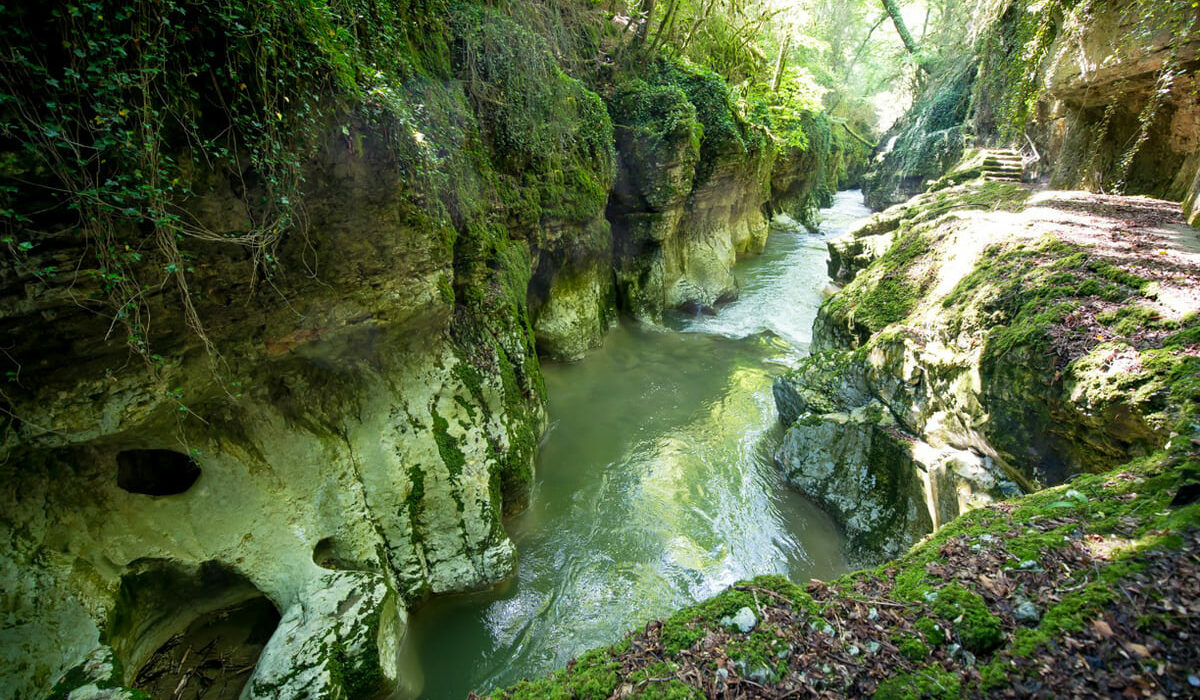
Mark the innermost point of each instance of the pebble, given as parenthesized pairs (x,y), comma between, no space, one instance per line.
(743,619)
(1026,612)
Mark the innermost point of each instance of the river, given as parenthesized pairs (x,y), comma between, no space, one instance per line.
(655,486)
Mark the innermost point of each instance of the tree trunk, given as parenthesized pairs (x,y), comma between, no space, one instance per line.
(779,62)
(644,26)
(893,9)
(664,27)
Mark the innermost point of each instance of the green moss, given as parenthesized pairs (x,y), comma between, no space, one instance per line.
(657,682)
(445,290)
(1189,333)
(416,492)
(1071,614)
(977,628)
(686,627)
(932,630)
(448,447)
(888,290)
(359,676)
(994,675)
(912,648)
(930,682)
(760,652)
(77,677)
(592,676)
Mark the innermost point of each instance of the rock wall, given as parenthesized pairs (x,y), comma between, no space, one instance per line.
(978,350)
(1099,96)
(363,422)
(691,192)
(923,143)
(1104,92)
(359,408)
(803,181)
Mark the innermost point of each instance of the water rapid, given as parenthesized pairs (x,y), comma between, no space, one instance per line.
(655,486)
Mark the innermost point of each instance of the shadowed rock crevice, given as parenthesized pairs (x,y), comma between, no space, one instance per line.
(156,472)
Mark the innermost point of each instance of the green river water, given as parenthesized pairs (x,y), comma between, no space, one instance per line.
(655,486)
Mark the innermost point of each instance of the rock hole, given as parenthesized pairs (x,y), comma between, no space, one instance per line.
(189,631)
(156,472)
(214,656)
(331,553)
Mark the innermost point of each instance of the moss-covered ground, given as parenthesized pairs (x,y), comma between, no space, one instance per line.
(1094,579)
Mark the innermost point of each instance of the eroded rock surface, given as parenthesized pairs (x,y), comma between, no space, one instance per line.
(1000,340)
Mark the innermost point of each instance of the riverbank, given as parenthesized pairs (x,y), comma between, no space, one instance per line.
(1018,598)
(1089,294)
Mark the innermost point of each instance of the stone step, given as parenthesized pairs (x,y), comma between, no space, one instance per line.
(1003,165)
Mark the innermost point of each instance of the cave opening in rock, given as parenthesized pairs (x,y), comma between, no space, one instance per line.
(214,656)
(156,472)
(189,631)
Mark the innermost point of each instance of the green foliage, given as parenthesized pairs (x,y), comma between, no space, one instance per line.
(660,114)
(785,112)
(1011,60)
(668,102)
(550,137)
(114,113)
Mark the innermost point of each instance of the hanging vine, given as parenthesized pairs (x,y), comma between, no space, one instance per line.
(111,110)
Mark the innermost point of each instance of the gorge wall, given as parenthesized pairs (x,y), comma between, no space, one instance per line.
(1104,91)
(333,424)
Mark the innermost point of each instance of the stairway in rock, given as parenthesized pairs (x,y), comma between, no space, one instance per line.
(1003,165)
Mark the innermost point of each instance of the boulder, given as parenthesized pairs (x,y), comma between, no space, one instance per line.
(341,639)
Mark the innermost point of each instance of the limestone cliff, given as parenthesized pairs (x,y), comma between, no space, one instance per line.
(691,191)
(989,340)
(285,357)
